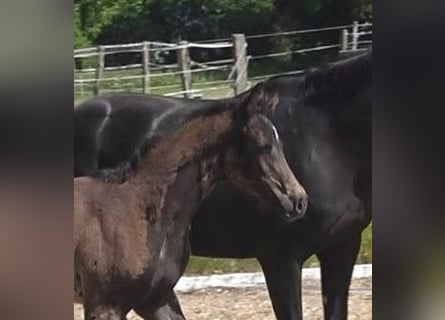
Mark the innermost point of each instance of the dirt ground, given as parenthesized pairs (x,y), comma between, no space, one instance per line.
(254,303)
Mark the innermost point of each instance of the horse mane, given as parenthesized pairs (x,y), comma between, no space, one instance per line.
(339,80)
(327,85)
(168,122)
(121,172)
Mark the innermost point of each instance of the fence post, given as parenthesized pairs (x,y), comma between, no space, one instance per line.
(99,69)
(146,67)
(344,40)
(355,36)
(240,60)
(184,66)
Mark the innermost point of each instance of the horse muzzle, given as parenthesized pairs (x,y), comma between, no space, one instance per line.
(294,205)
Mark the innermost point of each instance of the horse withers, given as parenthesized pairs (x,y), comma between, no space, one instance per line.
(131,238)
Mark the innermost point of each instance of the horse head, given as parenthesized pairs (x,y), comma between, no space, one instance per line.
(256,163)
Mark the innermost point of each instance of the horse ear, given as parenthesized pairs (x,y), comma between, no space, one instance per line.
(261,101)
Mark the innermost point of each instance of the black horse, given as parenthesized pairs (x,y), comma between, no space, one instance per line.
(324,118)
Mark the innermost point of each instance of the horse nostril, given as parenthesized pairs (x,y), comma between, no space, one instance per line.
(300,205)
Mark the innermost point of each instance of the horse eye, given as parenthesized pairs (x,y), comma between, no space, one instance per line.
(267,148)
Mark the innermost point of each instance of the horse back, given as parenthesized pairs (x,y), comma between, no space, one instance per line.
(108,129)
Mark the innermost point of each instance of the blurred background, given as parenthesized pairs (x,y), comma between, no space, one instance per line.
(209,49)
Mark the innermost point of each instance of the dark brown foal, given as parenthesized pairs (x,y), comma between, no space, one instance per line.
(131,239)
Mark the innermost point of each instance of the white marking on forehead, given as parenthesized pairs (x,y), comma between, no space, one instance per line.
(275,132)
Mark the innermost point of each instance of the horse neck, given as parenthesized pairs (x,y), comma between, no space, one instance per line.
(202,139)
(341,92)
(350,123)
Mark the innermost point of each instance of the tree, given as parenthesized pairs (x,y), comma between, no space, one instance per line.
(92,16)
(120,21)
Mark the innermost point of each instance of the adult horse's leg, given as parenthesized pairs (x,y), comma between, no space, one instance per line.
(283,279)
(337,263)
(171,310)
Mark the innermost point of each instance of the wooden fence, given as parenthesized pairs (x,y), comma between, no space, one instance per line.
(237,64)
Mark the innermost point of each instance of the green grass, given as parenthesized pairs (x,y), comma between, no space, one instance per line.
(199,265)
(365,253)
(157,80)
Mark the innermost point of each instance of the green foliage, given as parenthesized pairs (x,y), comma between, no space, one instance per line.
(115,21)
(80,36)
(91,17)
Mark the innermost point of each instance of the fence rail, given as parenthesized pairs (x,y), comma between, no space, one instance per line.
(233,70)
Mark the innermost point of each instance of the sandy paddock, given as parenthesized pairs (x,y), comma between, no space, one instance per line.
(254,303)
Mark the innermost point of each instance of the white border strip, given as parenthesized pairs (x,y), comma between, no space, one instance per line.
(254,279)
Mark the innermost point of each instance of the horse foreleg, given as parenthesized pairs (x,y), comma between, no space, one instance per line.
(103,313)
(337,264)
(170,310)
(283,279)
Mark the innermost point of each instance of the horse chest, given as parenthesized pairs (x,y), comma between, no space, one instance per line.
(336,189)
(172,260)
(172,230)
